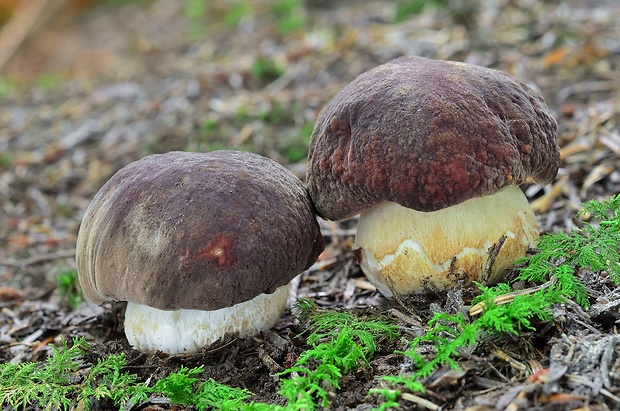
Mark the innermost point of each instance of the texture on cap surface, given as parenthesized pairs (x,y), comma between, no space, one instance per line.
(428,134)
(196,231)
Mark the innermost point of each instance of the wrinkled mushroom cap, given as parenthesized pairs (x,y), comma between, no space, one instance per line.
(196,231)
(428,134)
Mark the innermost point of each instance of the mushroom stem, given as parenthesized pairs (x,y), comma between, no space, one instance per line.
(404,251)
(188,331)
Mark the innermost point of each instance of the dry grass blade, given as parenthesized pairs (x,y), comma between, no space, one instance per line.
(517,365)
(39,259)
(535,366)
(586,88)
(597,173)
(424,403)
(544,203)
(578,379)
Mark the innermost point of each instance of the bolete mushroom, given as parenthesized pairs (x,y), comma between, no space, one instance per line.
(198,244)
(430,154)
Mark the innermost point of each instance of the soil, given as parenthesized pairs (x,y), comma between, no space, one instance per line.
(88,87)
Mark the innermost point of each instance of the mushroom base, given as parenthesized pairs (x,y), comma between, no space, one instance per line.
(188,331)
(404,251)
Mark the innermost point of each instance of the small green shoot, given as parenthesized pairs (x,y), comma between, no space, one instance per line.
(68,286)
(5,158)
(48,81)
(297,149)
(408,8)
(6,87)
(237,12)
(290,15)
(266,69)
(195,9)
(208,126)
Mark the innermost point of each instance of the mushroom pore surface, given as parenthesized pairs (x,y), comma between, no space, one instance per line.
(428,134)
(196,231)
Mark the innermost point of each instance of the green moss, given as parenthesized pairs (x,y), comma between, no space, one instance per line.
(340,343)
(69,288)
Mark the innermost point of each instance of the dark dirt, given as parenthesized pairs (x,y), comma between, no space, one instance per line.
(96,86)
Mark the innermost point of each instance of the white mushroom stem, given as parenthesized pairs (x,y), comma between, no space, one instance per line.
(405,251)
(188,331)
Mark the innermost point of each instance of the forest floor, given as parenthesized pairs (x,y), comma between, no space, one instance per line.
(87,88)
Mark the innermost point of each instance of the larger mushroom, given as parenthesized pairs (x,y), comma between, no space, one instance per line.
(430,154)
(200,245)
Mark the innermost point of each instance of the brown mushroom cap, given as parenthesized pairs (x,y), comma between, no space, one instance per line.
(428,134)
(196,231)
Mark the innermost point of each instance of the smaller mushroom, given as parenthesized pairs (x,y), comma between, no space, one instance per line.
(430,154)
(198,244)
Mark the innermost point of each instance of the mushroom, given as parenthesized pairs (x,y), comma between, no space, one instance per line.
(430,154)
(198,244)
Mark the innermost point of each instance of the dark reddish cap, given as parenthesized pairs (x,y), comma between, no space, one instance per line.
(428,134)
(196,231)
